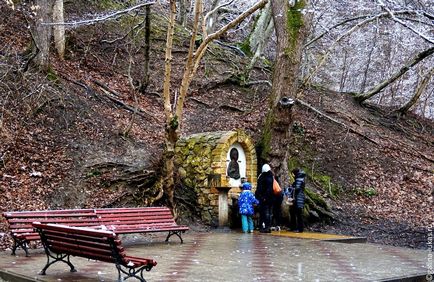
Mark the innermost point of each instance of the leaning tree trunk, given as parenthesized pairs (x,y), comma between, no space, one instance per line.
(59,30)
(377,89)
(419,91)
(291,26)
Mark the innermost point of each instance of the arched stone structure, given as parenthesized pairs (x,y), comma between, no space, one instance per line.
(202,161)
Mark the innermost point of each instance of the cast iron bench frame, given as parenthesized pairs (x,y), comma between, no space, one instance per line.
(61,241)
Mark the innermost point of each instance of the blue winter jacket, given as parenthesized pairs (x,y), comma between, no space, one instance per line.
(246,202)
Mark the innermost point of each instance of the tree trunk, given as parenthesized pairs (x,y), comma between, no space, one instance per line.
(59,30)
(257,39)
(145,79)
(212,19)
(171,126)
(42,34)
(291,26)
(418,58)
(184,7)
(419,91)
(368,63)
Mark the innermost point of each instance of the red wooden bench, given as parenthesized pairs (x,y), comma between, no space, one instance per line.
(120,220)
(22,231)
(61,241)
(140,220)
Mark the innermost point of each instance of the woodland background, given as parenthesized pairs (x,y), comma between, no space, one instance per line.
(88,129)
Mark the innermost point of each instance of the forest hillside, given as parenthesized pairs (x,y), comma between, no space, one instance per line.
(79,135)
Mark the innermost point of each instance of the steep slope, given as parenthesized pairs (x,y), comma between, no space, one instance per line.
(379,165)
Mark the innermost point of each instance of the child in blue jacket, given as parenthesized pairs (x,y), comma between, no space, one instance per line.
(246,202)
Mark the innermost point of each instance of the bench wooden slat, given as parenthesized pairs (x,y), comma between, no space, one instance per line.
(49,215)
(137,261)
(56,219)
(141,209)
(101,250)
(49,212)
(74,240)
(137,221)
(30,237)
(80,253)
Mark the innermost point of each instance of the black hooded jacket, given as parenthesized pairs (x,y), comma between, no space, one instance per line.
(264,192)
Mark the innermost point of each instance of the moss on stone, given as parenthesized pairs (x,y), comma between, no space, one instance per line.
(317,199)
(321,180)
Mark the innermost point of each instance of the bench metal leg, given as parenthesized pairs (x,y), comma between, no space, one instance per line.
(56,258)
(132,272)
(177,233)
(20,243)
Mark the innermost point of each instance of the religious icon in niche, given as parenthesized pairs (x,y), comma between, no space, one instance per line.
(233,167)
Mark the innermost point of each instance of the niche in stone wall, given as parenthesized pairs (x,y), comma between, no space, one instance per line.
(236,164)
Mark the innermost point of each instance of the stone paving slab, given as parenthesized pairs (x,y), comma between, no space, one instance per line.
(233,256)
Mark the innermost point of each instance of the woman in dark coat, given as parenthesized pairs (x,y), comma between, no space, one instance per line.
(264,193)
(296,210)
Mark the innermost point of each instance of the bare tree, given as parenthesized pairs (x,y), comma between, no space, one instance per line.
(147,47)
(368,37)
(212,16)
(174,111)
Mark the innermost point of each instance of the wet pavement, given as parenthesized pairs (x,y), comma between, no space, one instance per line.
(233,256)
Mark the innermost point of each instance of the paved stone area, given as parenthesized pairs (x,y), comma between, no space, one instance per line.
(233,256)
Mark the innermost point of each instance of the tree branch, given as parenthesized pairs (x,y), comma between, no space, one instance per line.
(135,110)
(125,35)
(197,56)
(111,16)
(385,14)
(383,6)
(342,36)
(205,19)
